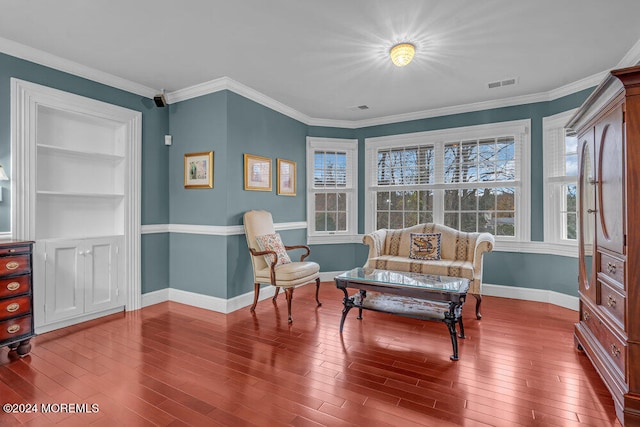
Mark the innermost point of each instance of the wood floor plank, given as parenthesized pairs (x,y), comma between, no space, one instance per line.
(174,365)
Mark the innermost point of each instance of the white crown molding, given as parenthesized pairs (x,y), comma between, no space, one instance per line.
(43,58)
(214,230)
(631,58)
(226,83)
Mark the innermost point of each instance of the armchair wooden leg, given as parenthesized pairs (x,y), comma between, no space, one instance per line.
(275,296)
(478,298)
(256,293)
(289,294)
(317,290)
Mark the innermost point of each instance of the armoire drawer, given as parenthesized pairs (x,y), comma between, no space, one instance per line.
(15,328)
(612,301)
(14,307)
(615,349)
(15,286)
(612,267)
(15,265)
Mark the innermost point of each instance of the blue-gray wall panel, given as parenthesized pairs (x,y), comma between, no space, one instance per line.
(154,264)
(199,125)
(199,264)
(339,257)
(536,271)
(261,131)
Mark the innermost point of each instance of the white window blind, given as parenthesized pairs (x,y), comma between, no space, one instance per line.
(332,188)
(468,178)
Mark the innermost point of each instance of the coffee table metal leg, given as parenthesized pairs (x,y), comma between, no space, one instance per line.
(347,306)
(451,325)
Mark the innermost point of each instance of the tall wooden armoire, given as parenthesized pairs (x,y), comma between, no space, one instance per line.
(608,128)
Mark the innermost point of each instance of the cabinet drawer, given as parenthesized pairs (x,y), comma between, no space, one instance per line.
(15,328)
(14,265)
(612,267)
(612,301)
(15,286)
(612,347)
(22,249)
(14,307)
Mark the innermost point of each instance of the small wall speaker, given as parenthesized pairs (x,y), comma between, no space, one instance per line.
(159,100)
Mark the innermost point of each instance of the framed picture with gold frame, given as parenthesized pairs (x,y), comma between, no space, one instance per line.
(286,177)
(198,170)
(257,173)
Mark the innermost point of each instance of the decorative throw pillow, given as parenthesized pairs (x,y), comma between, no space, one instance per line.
(425,246)
(272,242)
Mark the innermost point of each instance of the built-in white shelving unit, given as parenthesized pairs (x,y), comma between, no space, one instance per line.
(81,203)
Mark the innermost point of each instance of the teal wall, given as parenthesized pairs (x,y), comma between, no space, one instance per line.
(155,181)
(231,125)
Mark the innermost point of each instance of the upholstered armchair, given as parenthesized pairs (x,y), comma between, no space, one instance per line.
(271,263)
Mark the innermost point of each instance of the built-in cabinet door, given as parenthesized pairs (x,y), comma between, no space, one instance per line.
(64,280)
(101,274)
(82,277)
(609,171)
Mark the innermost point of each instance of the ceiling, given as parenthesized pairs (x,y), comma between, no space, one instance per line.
(324,57)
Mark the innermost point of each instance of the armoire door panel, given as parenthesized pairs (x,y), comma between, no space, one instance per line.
(587,190)
(610,170)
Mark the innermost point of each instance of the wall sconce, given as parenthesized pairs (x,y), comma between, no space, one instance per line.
(3,177)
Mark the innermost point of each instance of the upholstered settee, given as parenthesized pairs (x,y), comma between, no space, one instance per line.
(459,254)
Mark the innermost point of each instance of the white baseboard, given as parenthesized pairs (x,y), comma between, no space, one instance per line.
(41,329)
(219,305)
(529,294)
(225,306)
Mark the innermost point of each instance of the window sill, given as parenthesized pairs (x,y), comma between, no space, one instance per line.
(561,249)
(334,239)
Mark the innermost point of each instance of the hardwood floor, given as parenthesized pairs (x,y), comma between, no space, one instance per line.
(175,365)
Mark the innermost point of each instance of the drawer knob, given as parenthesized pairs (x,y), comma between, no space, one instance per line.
(586,315)
(12,265)
(615,351)
(611,268)
(11,251)
(611,301)
(13,307)
(13,329)
(13,286)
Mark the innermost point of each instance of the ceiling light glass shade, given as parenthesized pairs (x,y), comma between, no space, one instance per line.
(402,54)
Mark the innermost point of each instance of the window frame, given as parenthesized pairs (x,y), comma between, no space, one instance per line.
(519,129)
(350,147)
(554,140)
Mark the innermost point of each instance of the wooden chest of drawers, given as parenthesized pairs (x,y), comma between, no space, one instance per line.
(16,296)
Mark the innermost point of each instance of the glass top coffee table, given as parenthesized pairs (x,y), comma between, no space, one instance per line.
(421,296)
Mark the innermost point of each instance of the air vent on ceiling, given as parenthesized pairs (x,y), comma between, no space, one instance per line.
(500,83)
(359,107)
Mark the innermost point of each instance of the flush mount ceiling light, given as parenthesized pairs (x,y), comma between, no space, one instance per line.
(402,53)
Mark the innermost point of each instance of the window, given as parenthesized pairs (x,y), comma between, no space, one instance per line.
(560,180)
(466,178)
(332,214)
